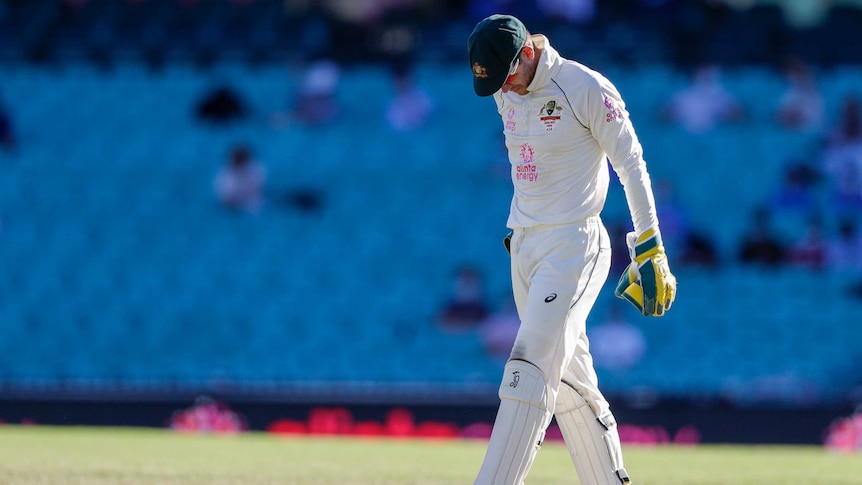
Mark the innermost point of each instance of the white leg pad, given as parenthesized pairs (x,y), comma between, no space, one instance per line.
(522,418)
(593,441)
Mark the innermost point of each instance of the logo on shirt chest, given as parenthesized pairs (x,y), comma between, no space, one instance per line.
(526,171)
(510,120)
(549,114)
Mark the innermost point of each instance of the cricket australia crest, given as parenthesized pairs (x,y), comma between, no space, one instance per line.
(549,114)
(479,71)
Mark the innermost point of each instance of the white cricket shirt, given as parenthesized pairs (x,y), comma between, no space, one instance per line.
(559,137)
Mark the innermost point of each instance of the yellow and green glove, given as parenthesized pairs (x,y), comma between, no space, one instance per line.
(647,283)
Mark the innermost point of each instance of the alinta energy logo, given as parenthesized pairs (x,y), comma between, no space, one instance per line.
(526,170)
(511,125)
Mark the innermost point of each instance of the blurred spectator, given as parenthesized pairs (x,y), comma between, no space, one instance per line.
(801,104)
(798,191)
(350,27)
(397,36)
(698,249)
(797,199)
(498,331)
(410,106)
(8,142)
(615,343)
(467,308)
(240,183)
(844,251)
(704,103)
(810,251)
(841,160)
(220,105)
(315,100)
(304,199)
(760,245)
(849,127)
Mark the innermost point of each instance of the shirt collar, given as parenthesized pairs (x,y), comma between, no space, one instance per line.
(549,63)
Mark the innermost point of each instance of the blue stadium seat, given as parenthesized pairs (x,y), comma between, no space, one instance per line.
(112,237)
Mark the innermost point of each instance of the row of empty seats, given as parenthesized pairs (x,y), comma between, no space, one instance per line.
(118,264)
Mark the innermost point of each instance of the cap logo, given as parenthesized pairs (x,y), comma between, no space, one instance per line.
(479,71)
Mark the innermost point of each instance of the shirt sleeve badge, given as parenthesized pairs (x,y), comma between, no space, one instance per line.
(614,112)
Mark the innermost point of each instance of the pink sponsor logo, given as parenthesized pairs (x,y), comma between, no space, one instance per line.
(510,124)
(614,112)
(526,170)
(527,153)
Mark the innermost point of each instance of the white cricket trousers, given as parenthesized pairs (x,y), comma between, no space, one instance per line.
(557,274)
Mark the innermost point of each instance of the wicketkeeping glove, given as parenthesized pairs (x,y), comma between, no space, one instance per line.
(647,283)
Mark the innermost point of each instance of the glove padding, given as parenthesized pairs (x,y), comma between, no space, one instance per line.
(647,282)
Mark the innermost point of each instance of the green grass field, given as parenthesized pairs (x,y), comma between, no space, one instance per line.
(31,455)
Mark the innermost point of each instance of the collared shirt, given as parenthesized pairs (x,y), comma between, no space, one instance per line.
(559,138)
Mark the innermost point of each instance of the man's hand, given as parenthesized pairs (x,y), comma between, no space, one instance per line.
(647,283)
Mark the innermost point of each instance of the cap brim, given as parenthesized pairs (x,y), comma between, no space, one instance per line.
(486,86)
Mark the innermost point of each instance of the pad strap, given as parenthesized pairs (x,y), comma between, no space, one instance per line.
(593,441)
